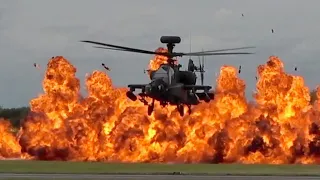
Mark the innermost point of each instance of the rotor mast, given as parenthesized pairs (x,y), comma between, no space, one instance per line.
(170,47)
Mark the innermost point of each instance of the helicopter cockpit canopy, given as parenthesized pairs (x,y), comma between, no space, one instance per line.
(162,73)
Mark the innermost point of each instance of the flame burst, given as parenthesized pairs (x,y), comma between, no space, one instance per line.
(282,127)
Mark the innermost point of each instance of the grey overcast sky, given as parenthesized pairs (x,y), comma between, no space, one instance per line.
(32,31)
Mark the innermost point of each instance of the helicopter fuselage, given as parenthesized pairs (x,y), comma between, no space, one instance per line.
(170,86)
(167,86)
(184,77)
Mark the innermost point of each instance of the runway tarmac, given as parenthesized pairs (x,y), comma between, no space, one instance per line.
(147,177)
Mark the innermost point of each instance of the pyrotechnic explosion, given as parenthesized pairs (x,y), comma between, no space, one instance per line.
(282,127)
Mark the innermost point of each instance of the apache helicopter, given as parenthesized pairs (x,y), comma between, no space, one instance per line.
(169,84)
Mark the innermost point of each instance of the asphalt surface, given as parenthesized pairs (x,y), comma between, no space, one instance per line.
(147,177)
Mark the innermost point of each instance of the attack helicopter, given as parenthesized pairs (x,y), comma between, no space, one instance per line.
(169,84)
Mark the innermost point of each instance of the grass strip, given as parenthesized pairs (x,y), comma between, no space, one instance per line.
(144,168)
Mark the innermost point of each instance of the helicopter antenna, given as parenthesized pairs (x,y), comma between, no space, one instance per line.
(190,44)
(202,69)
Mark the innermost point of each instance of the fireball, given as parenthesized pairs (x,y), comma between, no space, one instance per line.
(281,127)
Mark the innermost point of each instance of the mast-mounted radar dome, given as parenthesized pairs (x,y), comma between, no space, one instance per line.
(170,39)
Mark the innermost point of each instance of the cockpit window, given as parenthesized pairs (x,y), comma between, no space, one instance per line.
(165,68)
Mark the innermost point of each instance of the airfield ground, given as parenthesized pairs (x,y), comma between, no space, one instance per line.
(35,167)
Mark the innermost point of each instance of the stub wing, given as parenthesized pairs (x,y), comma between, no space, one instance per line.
(196,87)
(133,87)
(137,86)
(205,96)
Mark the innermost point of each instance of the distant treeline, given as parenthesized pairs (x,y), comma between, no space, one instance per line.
(17,114)
(14,114)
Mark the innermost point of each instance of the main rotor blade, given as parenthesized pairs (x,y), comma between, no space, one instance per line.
(126,48)
(219,50)
(212,54)
(174,54)
(116,49)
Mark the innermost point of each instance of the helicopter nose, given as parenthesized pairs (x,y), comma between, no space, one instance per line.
(161,88)
(148,88)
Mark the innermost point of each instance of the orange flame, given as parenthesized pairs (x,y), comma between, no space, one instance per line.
(282,127)
(155,63)
(9,146)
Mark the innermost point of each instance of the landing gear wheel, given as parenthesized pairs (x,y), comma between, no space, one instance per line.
(181,110)
(150,107)
(189,110)
(150,110)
